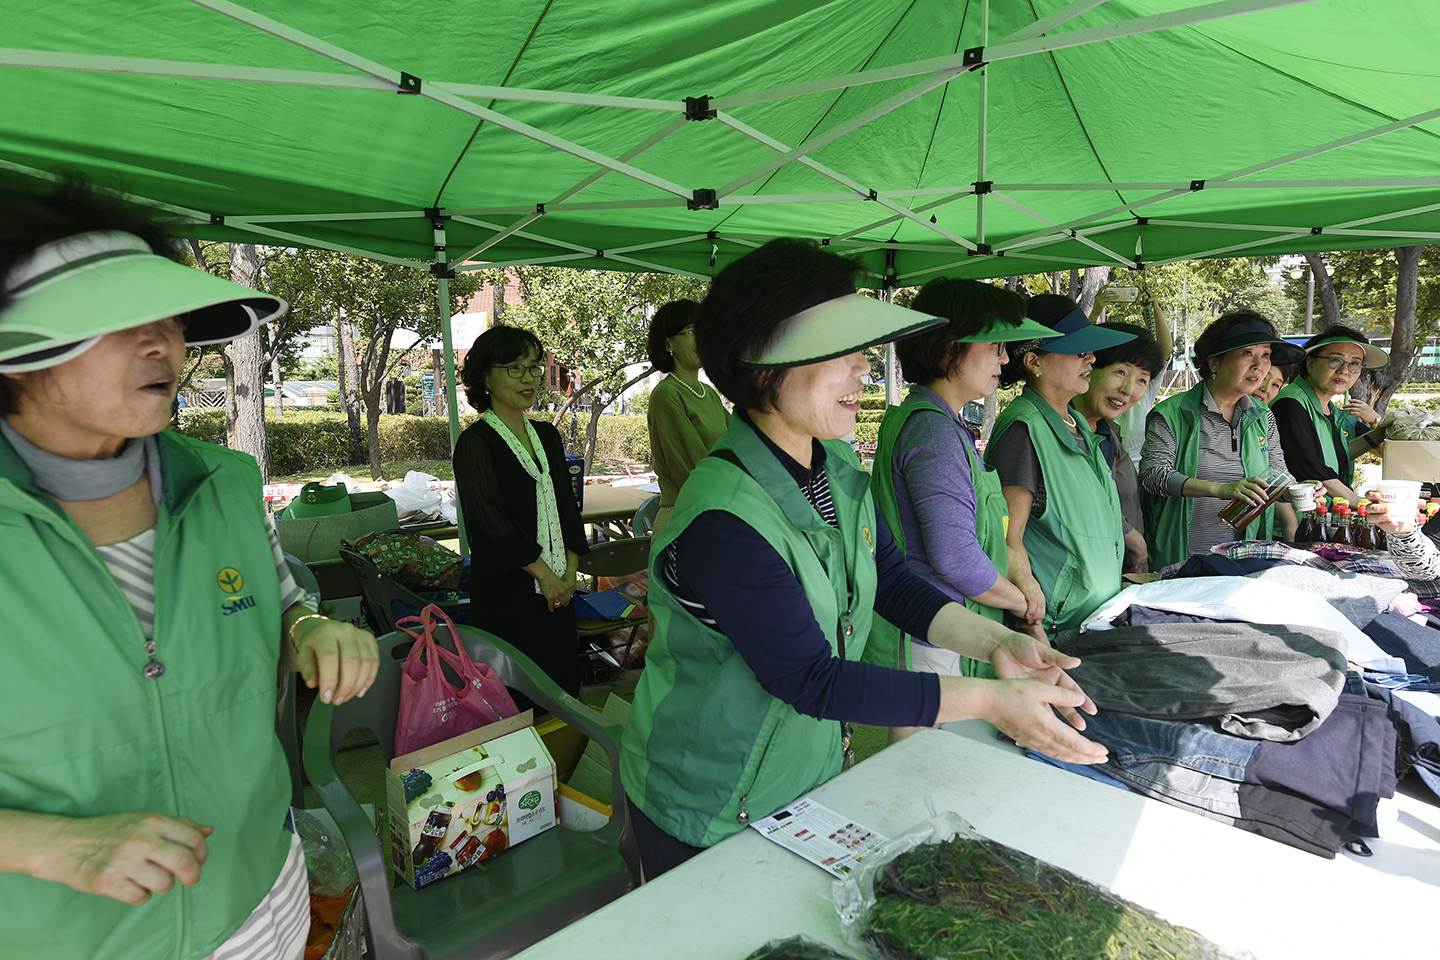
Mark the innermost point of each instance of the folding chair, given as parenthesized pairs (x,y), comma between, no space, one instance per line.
(523,895)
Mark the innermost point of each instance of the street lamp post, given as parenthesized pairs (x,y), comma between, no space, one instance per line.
(1310,291)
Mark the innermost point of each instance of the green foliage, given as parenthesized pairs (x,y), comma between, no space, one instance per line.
(872,401)
(404,436)
(619,437)
(870,416)
(639,401)
(867,432)
(326,367)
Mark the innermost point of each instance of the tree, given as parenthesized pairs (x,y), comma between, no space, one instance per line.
(379,302)
(245,372)
(1394,292)
(595,322)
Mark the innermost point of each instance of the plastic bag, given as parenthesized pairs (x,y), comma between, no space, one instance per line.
(432,707)
(350,483)
(415,500)
(944,890)
(337,914)
(799,947)
(449,505)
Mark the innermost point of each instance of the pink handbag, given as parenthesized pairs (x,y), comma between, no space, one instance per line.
(433,709)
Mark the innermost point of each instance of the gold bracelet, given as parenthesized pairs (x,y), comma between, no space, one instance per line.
(309,616)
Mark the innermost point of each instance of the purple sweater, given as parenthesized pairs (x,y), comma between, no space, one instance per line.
(935,500)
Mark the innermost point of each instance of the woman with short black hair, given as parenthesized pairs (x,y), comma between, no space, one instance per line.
(1215,443)
(943,506)
(143,792)
(1065,533)
(524,527)
(765,583)
(1120,379)
(686,416)
(1323,437)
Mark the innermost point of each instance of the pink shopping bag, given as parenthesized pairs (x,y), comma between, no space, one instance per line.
(431,707)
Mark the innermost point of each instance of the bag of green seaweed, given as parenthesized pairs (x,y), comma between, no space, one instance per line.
(945,891)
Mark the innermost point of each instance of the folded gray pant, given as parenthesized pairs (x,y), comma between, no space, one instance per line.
(1263,681)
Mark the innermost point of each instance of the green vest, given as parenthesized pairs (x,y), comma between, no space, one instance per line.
(1339,422)
(1076,547)
(704,741)
(991,516)
(86,734)
(1167,519)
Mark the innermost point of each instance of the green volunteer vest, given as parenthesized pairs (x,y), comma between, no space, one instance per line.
(1338,422)
(86,734)
(1167,519)
(991,515)
(1076,547)
(704,741)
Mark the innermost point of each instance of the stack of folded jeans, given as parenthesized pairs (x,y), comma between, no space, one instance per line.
(1242,723)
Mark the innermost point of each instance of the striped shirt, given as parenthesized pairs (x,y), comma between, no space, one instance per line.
(1218,462)
(1415,554)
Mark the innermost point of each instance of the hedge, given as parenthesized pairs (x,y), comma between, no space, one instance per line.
(315,441)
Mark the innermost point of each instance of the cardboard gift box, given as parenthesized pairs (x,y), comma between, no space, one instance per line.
(469,798)
(1412,460)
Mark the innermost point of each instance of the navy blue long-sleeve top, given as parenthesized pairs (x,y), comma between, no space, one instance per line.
(730,577)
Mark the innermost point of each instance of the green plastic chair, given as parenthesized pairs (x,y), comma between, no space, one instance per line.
(520,897)
(287,723)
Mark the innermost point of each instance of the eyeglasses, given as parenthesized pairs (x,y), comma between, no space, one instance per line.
(1341,363)
(518,370)
(687,332)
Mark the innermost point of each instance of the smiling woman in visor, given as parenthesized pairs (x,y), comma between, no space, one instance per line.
(766,582)
(138,696)
(1322,437)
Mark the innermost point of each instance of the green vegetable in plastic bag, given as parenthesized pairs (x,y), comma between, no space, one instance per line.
(799,947)
(948,892)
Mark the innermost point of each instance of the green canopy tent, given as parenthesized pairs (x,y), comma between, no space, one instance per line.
(930,137)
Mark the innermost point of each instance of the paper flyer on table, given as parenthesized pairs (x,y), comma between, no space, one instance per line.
(821,835)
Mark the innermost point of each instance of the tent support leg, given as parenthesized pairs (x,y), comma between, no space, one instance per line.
(447,342)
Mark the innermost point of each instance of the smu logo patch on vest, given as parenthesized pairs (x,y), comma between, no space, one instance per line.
(231,582)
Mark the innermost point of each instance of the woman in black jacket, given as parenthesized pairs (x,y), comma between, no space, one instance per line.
(524,528)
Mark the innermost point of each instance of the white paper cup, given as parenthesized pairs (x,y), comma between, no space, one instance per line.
(1302,496)
(1396,491)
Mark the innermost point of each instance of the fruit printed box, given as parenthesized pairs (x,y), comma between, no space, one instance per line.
(479,797)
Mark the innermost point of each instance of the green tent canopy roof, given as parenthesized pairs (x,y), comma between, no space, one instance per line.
(930,137)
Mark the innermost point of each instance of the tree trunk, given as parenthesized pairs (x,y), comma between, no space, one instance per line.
(278,382)
(592,433)
(1072,289)
(349,377)
(1095,278)
(372,430)
(245,372)
(992,410)
(499,299)
(1325,288)
(1403,349)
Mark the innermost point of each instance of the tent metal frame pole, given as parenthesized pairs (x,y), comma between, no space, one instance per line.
(513,228)
(982,125)
(522,262)
(447,343)
(302,241)
(1413,211)
(841,129)
(629,155)
(191,70)
(439,95)
(328,217)
(1355,138)
(1059,18)
(1010,49)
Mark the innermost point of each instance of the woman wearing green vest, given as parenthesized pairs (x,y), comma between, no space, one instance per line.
(1065,540)
(147,605)
(1214,443)
(1322,437)
(766,582)
(942,505)
(1120,379)
(686,416)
